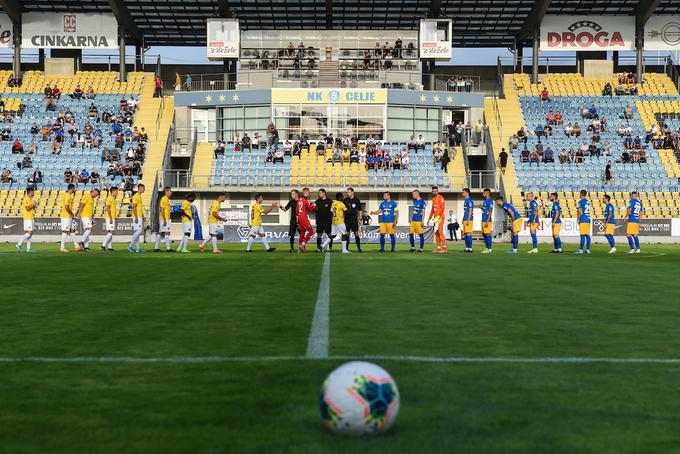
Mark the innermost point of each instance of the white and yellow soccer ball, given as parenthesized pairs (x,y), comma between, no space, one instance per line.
(359,398)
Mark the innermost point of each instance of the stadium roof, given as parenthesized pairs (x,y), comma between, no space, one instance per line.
(486,23)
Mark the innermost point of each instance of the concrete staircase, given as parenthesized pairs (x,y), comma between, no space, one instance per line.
(328,74)
(155,115)
(202,168)
(456,170)
(511,120)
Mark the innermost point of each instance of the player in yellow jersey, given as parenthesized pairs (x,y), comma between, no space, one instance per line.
(85,212)
(67,218)
(164,221)
(137,219)
(110,215)
(28,214)
(256,230)
(214,219)
(187,222)
(338,228)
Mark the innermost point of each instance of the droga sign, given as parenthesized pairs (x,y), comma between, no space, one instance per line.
(587,33)
(69,31)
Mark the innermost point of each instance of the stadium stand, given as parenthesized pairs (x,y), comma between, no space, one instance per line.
(25,111)
(655,175)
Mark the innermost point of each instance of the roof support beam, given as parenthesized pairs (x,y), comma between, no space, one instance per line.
(329,14)
(223,9)
(125,20)
(644,10)
(534,19)
(12,9)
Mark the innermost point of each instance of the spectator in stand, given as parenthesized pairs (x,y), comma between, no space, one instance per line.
(539,131)
(7,176)
(278,156)
(479,129)
(580,157)
(47,91)
(50,106)
(246,142)
(628,112)
(576,132)
(634,90)
(158,87)
(17,147)
(625,157)
(420,143)
(513,143)
(592,111)
(26,162)
(525,154)
(545,96)
(522,135)
(619,89)
(608,177)
(549,155)
(77,93)
(607,90)
(564,157)
(503,160)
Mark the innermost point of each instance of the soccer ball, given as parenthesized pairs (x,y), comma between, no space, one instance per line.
(359,398)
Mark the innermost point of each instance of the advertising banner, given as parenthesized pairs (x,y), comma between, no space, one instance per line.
(223,38)
(69,31)
(52,226)
(435,39)
(662,33)
(329,96)
(648,227)
(5,31)
(675,227)
(279,234)
(569,228)
(588,33)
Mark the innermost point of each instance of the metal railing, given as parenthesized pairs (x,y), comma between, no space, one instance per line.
(557,63)
(481,179)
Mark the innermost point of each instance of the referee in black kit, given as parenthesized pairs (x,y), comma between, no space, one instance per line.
(353,217)
(323,219)
(290,206)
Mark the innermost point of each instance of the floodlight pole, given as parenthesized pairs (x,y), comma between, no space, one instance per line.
(121,53)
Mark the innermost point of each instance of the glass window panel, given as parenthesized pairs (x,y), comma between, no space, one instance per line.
(420,113)
(421,126)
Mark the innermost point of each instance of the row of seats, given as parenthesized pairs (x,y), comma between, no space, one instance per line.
(100,81)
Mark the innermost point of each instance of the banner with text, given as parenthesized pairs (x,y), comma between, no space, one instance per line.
(69,31)
(52,226)
(279,234)
(662,33)
(223,38)
(648,227)
(569,228)
(435,39)
(587,33)
(5,31)
(333,96)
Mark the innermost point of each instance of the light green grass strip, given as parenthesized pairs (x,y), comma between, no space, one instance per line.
(317,344)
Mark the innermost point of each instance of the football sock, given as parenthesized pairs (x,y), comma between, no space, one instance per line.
(412,239)
(214,242)
(292,241)
(106,239)
(86,238)
(250,243)
(357,240)
(422,241)
(265,242)
(630,242)
(318,241)
(588,241)
(330,243)
(63,240)
(157,244)
(24,238)
(582,242)
(382,242)
(610,239)
(637,242)
(515,241)
(534,241)
(75,241)
(167,242)
(29,240)
(393,242)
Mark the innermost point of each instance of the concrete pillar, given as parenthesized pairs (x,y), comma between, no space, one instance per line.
(16,61)
(520,59)
(230,73)
(139,57)
(121,52)
(534,56)
(428,74)
(615,58)
(41,59)
(639,49)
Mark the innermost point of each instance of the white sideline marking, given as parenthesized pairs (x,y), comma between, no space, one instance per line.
(317,343)
(421,359)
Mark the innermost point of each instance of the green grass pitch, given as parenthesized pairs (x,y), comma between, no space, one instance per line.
(82,313)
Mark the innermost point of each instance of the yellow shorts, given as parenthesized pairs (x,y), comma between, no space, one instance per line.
(533,226)
(416,227)
(584,228)
(517,226)
(486,228)
(609,229)
(633,228)
(467,227)
(556,230)
(386,228)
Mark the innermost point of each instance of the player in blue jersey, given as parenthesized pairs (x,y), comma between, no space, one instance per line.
(609,223)
(633,228)
(584,222)
(556,217)
(416,226)
(468,208)
(388,220)
(515,220)
(534,220)
(487,218)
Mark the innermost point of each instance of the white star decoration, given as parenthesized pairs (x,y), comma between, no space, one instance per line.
(435,98)
(222,98)
(234,98)
(449,99)
(208,98)
(423,98)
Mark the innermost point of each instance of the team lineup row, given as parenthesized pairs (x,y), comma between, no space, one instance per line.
(335,219)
